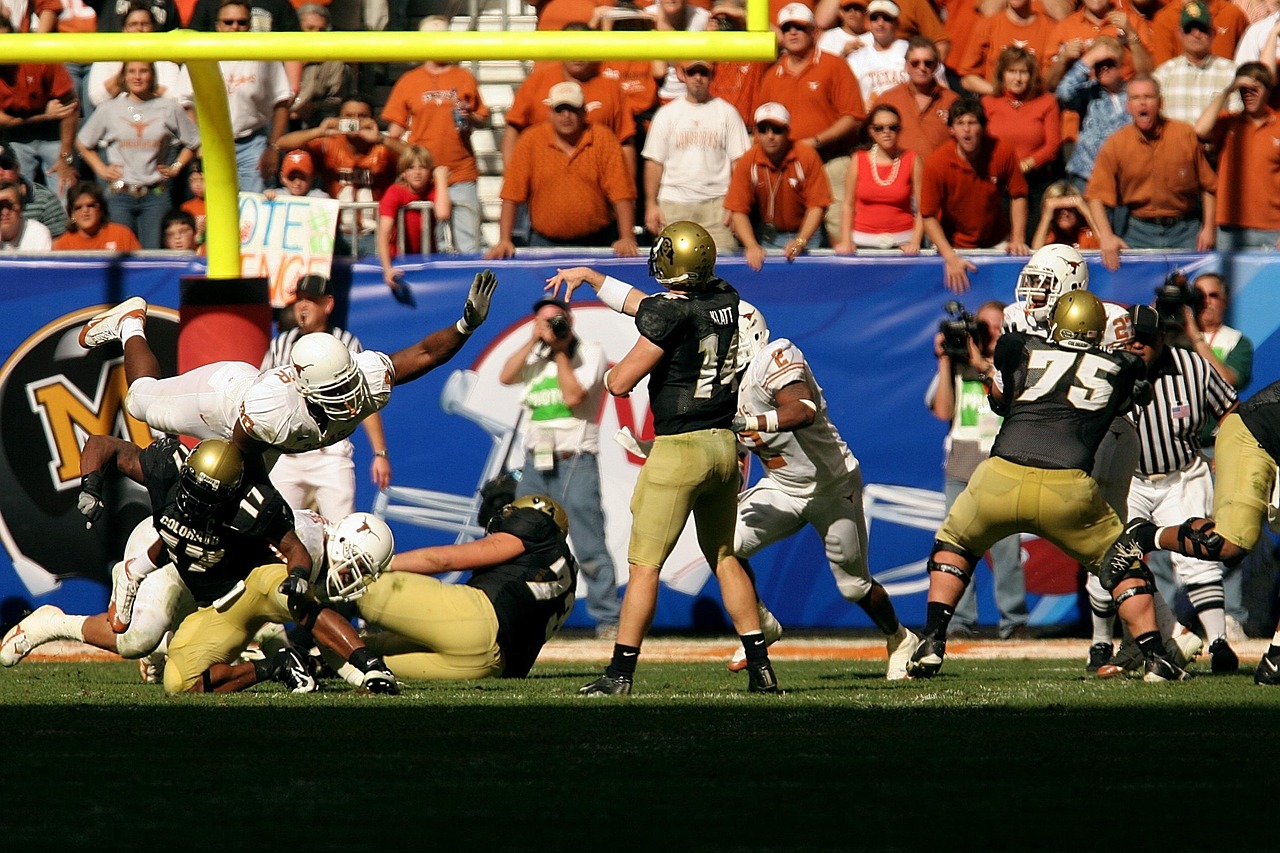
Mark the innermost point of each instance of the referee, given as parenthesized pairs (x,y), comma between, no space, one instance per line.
(1173,481)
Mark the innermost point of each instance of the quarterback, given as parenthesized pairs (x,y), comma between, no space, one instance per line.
(317,400)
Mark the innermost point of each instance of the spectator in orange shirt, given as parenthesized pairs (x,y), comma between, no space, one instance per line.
(554,14)
(1065,218)
(963,197)
(1077,32)
(1021,114)
(90,228)
(572,175)
(777,192)
(1154,175)
(736,82)
(1017,25)
(439,104)
(923,103)
(1229,25)
(1248,145)
(823,98)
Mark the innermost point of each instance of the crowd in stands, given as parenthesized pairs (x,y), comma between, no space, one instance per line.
(882,124)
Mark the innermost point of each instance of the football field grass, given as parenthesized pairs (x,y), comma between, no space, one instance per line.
(993,754)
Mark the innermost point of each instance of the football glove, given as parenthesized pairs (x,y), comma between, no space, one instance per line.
(477,307)
(296,584)
(90,502)
(739,423)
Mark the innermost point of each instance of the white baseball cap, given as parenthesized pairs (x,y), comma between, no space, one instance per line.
(566,93)
(773,112)
(888,7)
(796,13)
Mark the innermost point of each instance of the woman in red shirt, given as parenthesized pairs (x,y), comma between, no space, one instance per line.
(419,177)
(1065,218)
(89,228)
(881,208)
(1026,118)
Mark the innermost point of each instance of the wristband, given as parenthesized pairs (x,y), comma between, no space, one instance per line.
(463,328)
(768,421)
(614,293)
(381,454)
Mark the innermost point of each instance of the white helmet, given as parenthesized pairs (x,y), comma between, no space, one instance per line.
(359,548)
(1053,270)
(329,377)
(753,333)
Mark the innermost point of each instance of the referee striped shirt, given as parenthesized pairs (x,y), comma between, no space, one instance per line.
(282,346)
(1189,393)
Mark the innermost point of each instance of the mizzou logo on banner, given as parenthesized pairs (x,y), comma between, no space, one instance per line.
(53,395)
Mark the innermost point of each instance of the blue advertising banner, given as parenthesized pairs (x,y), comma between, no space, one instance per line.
(865,324)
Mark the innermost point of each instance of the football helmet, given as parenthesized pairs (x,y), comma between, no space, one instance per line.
(1053,270)
(1078,320)
(753,333)
(211,474)
(329,377)
(543,504)
(683,257)
(358,548)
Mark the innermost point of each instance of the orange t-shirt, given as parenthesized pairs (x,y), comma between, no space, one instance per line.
(423,100)
(1229,24)
(605,102)
(335,154)
(923,130)
(111,237)
(1248,170)
(964,23)
(739,84)
(778,194)
(996,33)
(639,88)
(569,195)
(823,90)
(554,14)
(1156,177)
(967,199)
(1078,25)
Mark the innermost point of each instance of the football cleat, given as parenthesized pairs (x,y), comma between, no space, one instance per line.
(150,671)
(1099,656)
(1127,660)
(926,660)
(104,326)
(769,626)
(761,679)
(902,644)
(381,681)
(1124,553)
(1222,658)
(1160,668)
(1268,671)
(607,685)
(34,630)
(1183,647)
(290,669)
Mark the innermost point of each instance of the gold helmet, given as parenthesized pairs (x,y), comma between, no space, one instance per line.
(1078,320)
(542,504)
(683,257)
(210,475)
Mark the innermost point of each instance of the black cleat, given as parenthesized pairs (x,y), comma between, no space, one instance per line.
(1099,655)
(927,659)
(607,685)
(760,678)
(1222,658)
(1125,553)
(1160,668)
(1268,671)
(1127,660)
(290,669)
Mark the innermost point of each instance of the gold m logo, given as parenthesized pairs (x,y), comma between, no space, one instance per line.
(69,417)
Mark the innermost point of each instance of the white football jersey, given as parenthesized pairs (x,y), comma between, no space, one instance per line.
(800,462)
(309,525)
(1116,334)
(272,410)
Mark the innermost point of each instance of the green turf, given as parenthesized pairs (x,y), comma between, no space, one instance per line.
(1008,755)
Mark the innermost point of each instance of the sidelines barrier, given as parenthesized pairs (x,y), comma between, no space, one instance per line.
(865,324)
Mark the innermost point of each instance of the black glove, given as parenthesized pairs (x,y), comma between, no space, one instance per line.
(477,307)
(90,502)
(739,423)
(297,584)
(1142,393)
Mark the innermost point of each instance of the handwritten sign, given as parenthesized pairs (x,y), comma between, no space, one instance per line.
(286,238)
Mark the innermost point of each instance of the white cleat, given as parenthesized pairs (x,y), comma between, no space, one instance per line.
(902,645)
(26,635)
(1188,644)
(769,626)
(104,326)
(151,668)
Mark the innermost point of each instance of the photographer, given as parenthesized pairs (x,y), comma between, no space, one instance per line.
(1203,308)
(563,379)
(958,394)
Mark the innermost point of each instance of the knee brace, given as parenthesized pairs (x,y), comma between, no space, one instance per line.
(135,401)
(851,574)
(1145,589)
(1203,544)
(948,569)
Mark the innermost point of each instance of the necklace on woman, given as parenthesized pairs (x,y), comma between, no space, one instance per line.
(875,169)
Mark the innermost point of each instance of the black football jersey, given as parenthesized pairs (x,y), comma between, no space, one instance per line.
(1059,401)
(1261,414)
(533,594)
(212,554)
(694,386)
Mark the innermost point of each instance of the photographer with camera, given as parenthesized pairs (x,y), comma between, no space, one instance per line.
(964,347)
(563,379)
(1196,312)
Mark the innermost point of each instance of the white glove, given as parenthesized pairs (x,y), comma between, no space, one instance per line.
(631,444)
(478,299)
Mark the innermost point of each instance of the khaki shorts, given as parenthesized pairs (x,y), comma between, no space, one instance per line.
(1242,479)
(693,472)
(1063,506)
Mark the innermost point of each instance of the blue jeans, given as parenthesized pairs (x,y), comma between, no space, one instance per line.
(785,237)
(465,197)
(248,153)
(1006,570)
(1235,238)
(575,483)
(43,153)
(1151,235)
(143,215)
